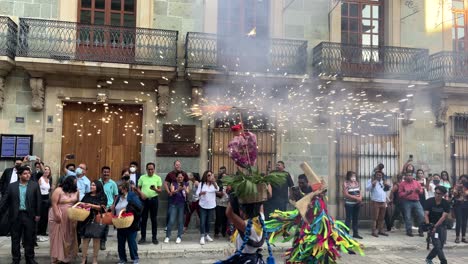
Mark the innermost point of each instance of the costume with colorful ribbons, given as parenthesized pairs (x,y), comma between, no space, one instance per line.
(315,241)
(258,225)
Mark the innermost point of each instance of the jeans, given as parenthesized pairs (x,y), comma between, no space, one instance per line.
(221,220)
(408,208)
(378,215)
(461,215)
(205,215)
(125,235)
(352,216)
(176,210)
(438,240)
(150,206)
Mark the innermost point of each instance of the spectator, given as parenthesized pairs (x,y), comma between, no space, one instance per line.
(280,194)
(408,193)
(436,211)
(134,173)
(432,185)
(62,231)
(150,185)
(460,196)
(222,200)
(129,202)
(38,169)
(23,198)
(111,190)
(10,175)
(82,181)
(207,192)
(170,178)
(445,180)
(377,188)
(194,180)
(179,190)
(353,199)
(96,200)
(395,200)
(46,186)
(421,179)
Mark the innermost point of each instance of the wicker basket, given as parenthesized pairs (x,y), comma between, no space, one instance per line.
(260,196)
(77,213)
(122,222)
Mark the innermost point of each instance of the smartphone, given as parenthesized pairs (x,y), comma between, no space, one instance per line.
(411,157)
(152,187)
(32,158)
(70,156)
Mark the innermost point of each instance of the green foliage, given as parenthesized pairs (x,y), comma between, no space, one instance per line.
(245,185)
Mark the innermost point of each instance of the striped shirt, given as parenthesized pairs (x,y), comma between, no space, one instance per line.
(352,188)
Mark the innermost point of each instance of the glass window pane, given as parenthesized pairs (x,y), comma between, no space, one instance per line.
(353,10)
(366,26)
(375,26)
(115,19)
(366,39)
(129,20)
(366,11)
(344,9)
(116,5)
(375,11)
(353,38)
(85,17)
(344,37)
(129,5)
(344,24)
(99,18)
(86,3)
(460,19)
(457,4)
(100,4)
(461,46)
(375,40)
(353,25)
(461,33)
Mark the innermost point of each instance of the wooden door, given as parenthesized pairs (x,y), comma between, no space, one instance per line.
(102,135)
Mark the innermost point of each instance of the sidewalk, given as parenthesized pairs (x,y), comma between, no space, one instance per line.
(190,247)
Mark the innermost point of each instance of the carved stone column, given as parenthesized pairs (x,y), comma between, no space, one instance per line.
(440,111)
(2,92)
(163,99)
(38,93)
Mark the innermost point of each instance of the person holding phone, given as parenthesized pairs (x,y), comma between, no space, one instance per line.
(207,192)
(150,185)
(408,193)
(353,200)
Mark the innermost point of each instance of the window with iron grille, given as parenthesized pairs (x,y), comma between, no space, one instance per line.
(362,22)
(459,141)
(363,144)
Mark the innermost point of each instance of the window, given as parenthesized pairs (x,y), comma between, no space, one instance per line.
(244,17)
(459,29)
(459,141)
(362,22)
(107,12)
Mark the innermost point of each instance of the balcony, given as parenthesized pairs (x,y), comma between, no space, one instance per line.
(384,62)
(59,46)
(8,34)
(449,66)
(206,52)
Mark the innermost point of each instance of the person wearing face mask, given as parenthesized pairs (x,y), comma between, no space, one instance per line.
(84,187)
(353,199)
(432,185)
(133,173)
(10,175)
(408,193)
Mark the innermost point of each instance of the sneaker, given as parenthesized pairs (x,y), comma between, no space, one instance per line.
(42,239)
(208,238)
(178,240)
(429,261)
(142,241)
(165,228)
(202,241)
(166,240)
(457,240)
(136,261)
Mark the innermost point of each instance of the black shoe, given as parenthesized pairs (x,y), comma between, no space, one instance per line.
(142,241)
(357,236)
(421,234)
(383,234)
(103,245)
(410,234)
(32,261)
(155,241)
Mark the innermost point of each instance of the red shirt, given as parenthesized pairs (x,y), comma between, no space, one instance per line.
(172,176)
(407,186)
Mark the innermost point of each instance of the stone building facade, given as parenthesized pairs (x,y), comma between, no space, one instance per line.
(399,55)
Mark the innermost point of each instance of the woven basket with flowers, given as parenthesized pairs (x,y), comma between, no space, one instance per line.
(78,212)
(123,220)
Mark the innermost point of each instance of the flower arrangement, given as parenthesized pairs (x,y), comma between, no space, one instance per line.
(125,214)
(243,149)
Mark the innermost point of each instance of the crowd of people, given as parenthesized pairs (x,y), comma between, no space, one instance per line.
(420,200)
(32,198)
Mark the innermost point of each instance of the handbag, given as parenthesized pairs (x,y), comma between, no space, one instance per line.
(94,230)
(104,218)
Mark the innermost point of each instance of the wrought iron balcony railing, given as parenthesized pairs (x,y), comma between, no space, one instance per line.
(370,62)
(246,54)
(8,37)
(62,40)
(448,66)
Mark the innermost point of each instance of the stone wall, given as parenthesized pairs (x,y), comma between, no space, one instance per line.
(47,9)
(18,98)
(181,15)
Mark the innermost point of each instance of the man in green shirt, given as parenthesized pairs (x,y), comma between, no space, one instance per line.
(112,191)
(150,185)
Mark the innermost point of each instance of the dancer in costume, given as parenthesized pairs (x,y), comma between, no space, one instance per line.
(317,237)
